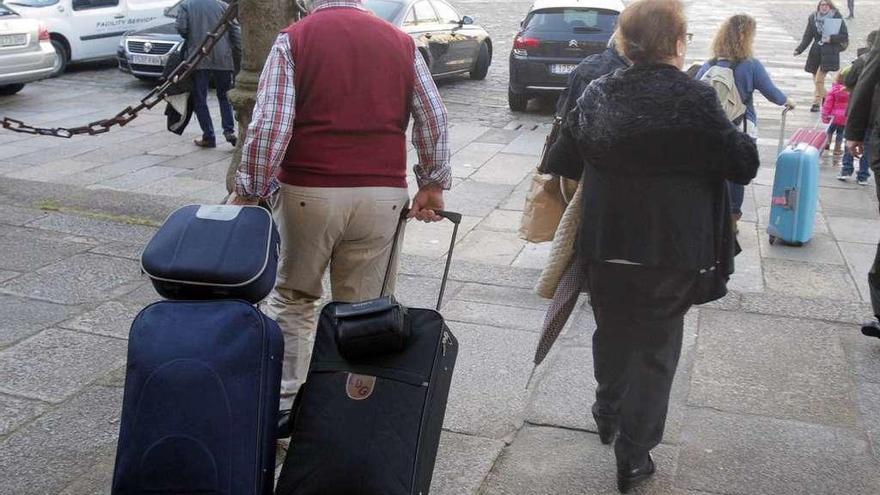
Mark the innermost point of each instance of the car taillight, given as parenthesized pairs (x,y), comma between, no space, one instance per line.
(44,33)
(523,43)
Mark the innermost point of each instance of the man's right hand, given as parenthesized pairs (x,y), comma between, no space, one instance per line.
(426,203)
(857,148)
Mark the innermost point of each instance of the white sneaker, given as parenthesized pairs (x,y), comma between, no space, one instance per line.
(863,182)
(842,177)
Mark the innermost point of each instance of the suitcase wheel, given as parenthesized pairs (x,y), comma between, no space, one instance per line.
(772,240)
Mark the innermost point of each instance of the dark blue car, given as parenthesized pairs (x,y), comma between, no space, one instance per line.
(556,35)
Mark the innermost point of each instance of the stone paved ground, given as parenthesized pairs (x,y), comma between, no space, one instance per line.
(777,391)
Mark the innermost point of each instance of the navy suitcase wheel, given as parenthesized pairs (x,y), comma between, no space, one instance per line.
(371,425)
(200,408)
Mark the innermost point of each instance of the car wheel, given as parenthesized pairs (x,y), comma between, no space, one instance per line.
(517,102)
(61,58)
(481,67)
(10,89)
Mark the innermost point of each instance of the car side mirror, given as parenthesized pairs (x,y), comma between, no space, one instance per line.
(467,20)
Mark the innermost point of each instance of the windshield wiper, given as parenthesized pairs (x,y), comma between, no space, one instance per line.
(586,30)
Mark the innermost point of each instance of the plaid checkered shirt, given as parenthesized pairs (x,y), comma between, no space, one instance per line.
(271,129)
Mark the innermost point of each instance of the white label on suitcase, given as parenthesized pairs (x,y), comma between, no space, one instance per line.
(223,213)
(359,387)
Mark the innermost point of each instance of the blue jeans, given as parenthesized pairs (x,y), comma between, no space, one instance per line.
(737,196)
(864,161)
(223,83)
(738,191)
(839,130)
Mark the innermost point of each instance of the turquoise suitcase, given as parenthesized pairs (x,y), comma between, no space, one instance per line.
(795,194)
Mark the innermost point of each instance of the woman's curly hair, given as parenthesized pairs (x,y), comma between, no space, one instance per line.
(735,38)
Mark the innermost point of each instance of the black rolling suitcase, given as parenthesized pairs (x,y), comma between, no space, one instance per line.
(200,408)
(368,419)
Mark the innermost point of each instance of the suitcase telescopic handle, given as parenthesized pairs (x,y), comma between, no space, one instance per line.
(453,217)
(782,131)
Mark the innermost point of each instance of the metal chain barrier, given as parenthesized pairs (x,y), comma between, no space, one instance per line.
(153,98)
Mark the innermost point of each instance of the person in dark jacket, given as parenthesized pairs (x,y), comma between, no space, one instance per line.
(195,20)
(656,149)
(825,41)
(861,133)
(855,70)
(590,68)
(851,79)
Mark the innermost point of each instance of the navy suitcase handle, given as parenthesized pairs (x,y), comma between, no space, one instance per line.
(453,217)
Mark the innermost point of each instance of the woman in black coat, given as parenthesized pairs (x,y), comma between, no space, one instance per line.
(654,148)
(827,42)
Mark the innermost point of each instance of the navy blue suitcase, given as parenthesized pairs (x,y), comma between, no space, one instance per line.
(200,408)
(214,252)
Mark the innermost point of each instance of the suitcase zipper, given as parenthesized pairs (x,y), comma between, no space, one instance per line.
(429,396)
(260,447)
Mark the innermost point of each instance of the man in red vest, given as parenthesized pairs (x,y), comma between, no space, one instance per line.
(327,149)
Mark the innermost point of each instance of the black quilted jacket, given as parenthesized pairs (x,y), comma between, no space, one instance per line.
(655,148)
(592,67)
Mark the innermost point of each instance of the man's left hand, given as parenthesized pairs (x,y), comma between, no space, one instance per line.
(856,148)
(235,199)
(426,203)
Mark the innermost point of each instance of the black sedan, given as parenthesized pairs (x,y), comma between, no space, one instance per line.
(450,43)
(145,52)
(556,35)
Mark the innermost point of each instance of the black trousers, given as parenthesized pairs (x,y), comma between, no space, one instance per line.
(874,274)
(640,319)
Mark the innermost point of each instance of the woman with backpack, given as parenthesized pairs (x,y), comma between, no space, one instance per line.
(826,32)
(732,48)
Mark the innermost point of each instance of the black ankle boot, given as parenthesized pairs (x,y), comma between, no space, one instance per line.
(871,329)
(629,477)
(284,425)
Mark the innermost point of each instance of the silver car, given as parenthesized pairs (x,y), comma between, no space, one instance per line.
(26,52)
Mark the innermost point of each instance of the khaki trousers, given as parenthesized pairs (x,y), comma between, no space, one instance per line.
(820,92)
(349,229)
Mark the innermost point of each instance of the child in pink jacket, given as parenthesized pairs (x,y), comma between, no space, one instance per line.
(834,113)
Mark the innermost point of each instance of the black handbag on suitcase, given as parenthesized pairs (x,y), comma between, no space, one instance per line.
(369,423)
(200,408)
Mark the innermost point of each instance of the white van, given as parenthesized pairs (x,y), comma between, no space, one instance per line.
(83,30)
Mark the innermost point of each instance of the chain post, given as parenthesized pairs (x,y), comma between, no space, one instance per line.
(153,98)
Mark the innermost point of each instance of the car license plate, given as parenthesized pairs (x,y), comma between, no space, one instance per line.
(562,69)
(147,59)
(13,40)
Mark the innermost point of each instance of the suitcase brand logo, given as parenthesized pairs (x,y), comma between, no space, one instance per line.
(359,387)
